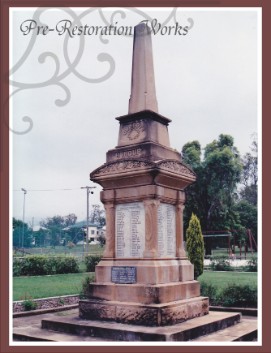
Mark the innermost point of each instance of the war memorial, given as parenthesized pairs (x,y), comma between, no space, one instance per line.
(144,287)
(144,277)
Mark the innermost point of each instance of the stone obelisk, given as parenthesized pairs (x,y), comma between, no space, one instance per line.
(143,96)
(144,277)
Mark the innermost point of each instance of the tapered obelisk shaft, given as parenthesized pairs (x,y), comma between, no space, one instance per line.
(143,96)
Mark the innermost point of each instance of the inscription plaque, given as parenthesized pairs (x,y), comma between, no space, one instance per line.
(166,230)
(130,230)
(123,274)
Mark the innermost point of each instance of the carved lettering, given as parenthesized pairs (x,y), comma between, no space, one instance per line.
(121,274)
(130,230)
(166,230)
(131,153)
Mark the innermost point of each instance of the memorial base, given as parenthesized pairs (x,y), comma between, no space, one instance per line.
(144,294)
(141,314)
(148,271)
(149,292)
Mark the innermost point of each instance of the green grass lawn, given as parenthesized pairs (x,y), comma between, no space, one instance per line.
(221,279)
(47,286)
(56,285)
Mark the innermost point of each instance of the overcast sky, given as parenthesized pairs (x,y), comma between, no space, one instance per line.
(206,82)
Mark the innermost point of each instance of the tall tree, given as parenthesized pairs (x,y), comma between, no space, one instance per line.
(212,196)
(40,237)
(247,203)
(247,217)
(56,224)
(250,174)
(70,219)
(97,215)
(22,234)
(55,221)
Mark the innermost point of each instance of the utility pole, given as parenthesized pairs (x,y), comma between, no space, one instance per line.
(25,192)
(88,192)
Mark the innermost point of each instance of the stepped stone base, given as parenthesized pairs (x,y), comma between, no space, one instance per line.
(144,314)
(113,331)
(68,327)
(144,294)
(164,293)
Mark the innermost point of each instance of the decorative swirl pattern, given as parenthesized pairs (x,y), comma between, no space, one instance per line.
(58,76)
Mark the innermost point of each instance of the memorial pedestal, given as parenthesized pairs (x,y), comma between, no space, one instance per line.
(144,276)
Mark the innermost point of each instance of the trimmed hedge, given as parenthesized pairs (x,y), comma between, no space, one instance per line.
(91,261)
(233,295)
(240,296)
(38,265)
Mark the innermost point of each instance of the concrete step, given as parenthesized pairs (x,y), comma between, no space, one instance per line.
(38,334)
(246,330)
(185,331)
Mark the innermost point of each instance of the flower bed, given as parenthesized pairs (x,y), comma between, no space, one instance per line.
(45,303)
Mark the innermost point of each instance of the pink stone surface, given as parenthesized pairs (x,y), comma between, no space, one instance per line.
(148,315)
(143,94)
(145,172)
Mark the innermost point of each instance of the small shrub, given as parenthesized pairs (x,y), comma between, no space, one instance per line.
(239,296)
(17,267)
(210,291)
(50,265)
(85,286)
(66,264)
(234,295)
(252,264)
(195,245)
(29,305)
(38,265)
(34,265)
(221,263)
(61,301)
(91,261)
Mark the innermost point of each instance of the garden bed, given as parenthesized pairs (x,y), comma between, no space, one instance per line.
(45,303)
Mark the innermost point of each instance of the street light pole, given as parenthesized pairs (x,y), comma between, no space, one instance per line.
(88,192)
(25,192)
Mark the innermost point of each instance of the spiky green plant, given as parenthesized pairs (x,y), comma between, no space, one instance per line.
(195,245)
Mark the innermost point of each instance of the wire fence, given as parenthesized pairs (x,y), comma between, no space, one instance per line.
(78,251)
